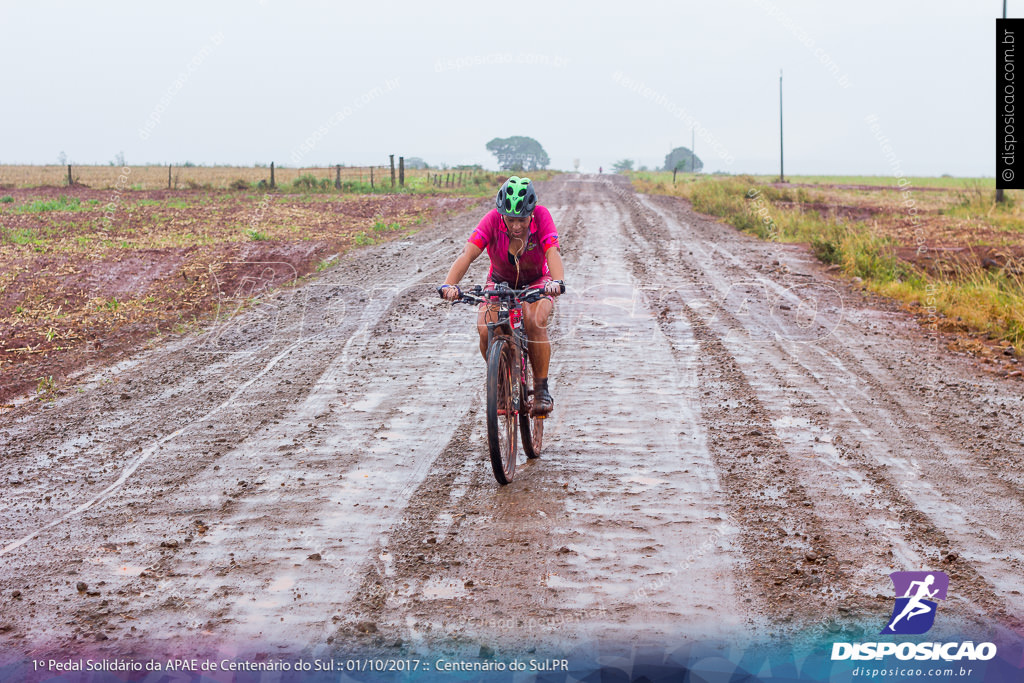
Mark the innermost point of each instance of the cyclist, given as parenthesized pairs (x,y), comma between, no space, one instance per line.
(522,244)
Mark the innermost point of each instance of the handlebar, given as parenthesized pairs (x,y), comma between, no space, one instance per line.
(501,291)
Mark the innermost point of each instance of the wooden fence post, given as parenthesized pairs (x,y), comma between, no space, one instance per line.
(168,176)
(401,171)
(392,156)
(371,178)
(70,181)
(272,174)
(337,177)
(674,171)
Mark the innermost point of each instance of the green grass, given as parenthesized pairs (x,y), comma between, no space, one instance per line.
(380,226)
(975,202)
(62,203)
(480,184)
(362,239)
(257,236)
(23,236)
(884,180)
(310,183)
(46,387)
(6,199)
(326,263)
(988,301)
(874,181)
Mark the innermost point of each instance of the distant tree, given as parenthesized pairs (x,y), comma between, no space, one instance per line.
(415,163)
(518,153)
(623,165)
(642,168)
(680,159)
(62,158)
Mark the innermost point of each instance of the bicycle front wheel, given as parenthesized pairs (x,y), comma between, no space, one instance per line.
(503,403)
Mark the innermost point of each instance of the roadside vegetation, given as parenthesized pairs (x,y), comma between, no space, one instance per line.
(956,260)
(353,179)
(86,274)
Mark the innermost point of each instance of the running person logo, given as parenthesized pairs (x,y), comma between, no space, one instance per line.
(916,595)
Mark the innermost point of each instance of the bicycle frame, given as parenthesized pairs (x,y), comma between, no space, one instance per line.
(510,318)
(519,386)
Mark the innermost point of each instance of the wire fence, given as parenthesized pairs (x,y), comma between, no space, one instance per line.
(233,177)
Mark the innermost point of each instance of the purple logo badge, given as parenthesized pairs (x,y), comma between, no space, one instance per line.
(916,595)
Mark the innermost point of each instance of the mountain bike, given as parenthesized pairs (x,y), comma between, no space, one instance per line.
(510,386)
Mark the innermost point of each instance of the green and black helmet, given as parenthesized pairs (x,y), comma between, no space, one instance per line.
(516,197)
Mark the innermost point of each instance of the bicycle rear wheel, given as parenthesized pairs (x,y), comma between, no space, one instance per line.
(531,428)
(502,406)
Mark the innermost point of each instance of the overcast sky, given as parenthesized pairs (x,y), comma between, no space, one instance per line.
(319,83)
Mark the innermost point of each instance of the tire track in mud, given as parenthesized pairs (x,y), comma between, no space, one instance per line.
(214,499)
(636,422)
(788,554)
(887,445)
(337,483)
(884,477)
(877,495)
(414,547)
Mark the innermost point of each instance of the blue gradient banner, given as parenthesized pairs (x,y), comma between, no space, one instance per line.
(695,661)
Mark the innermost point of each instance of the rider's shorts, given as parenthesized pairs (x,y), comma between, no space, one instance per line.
(536,284)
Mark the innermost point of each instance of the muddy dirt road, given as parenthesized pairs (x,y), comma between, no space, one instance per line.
(741,447)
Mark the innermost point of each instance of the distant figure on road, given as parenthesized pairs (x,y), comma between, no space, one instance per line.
(600,170)
(914,606)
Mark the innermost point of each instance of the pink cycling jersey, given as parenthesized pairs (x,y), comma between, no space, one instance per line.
(491,235)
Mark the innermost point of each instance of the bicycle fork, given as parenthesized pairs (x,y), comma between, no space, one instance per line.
(514,384)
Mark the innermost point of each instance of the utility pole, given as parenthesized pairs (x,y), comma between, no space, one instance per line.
(999,192)
(782,175)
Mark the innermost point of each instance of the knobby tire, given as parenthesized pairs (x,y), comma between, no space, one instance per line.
(532,428)
(502,385)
